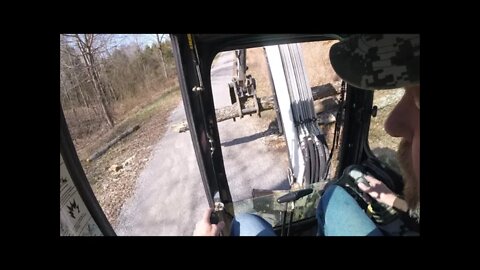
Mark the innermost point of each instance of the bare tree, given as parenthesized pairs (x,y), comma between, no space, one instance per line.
(70,85)
(90,51)
(161,56)
(69,66)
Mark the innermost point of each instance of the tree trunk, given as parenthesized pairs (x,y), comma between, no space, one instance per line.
(77,81)
(101,94)
(162,61)
(108,85)
(324,108)
(85,102)
(65,90)
(88,57)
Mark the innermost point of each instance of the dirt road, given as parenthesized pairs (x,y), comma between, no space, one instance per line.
(169,196)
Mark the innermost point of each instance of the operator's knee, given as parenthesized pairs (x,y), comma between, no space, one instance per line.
(251,225)
(331,191)
(339,214)
(321,208)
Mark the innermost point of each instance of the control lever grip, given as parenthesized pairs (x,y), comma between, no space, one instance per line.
(294,195)
(214,219)
(359,177)
(217,211)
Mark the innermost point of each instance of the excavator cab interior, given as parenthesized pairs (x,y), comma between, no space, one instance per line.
(314,161)
(291,211)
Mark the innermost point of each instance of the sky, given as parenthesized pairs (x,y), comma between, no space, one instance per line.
(125,40)
(141,39)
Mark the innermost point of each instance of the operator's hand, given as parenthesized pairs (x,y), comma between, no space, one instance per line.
(204,228)
(378,191)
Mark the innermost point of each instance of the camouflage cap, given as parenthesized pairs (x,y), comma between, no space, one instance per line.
(381,61)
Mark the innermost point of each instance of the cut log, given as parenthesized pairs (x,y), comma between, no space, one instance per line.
(266,103)
(104,149)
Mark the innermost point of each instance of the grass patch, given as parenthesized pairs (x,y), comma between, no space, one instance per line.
(165,100)
(160,105)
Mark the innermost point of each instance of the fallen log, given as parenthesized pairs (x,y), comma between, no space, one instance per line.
(266,103)
(104,149)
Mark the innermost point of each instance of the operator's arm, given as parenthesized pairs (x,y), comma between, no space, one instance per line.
(380,192)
